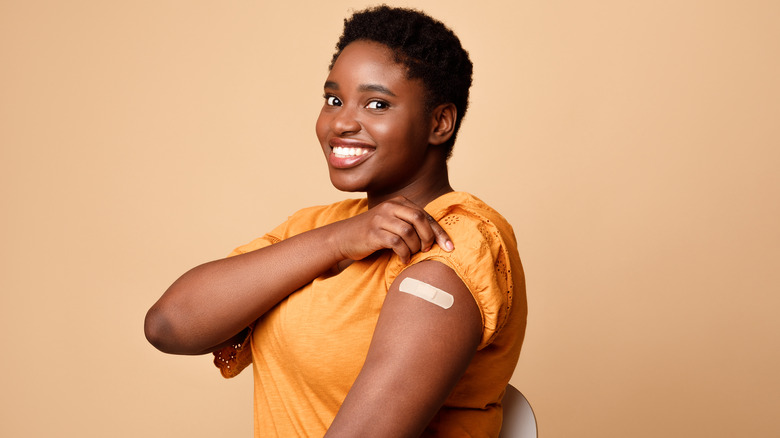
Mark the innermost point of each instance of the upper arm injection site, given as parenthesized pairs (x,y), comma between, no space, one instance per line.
(427,292)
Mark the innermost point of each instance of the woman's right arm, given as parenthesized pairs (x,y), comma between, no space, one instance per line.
(212,303)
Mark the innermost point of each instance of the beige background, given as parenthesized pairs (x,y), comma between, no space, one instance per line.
(633,145)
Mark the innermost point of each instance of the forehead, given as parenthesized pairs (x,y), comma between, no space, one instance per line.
(368,62)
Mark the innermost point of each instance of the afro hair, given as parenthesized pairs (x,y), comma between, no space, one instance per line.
(428,49)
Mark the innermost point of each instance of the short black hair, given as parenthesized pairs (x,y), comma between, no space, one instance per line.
(425,46)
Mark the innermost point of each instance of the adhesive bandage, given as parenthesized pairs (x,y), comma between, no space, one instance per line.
(427,292)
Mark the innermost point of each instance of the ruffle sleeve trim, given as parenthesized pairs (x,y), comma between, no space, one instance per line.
(231,360)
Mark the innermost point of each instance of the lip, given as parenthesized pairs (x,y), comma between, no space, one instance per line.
(348,162)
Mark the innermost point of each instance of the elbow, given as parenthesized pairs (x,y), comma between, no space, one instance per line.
(157,329)
(170,332)
(160,331)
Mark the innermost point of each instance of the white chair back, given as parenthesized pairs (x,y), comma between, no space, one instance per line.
(519,419)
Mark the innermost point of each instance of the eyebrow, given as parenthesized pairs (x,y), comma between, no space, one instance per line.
(363,88)
(375,87)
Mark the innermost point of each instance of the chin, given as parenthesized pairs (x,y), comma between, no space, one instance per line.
(347,184)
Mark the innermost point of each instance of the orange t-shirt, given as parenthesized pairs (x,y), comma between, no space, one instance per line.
(308,350)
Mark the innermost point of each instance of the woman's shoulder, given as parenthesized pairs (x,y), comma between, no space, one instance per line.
(485,257)
(306,219)
(463,208)
(340,210)
(319,215)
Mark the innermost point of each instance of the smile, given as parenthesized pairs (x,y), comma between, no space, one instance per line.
(344,152)
(345,156)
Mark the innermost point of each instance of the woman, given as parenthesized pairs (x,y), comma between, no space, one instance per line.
(399,314)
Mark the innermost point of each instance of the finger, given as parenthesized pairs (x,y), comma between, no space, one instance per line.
(415,214)
(406,231)
(430,230)
(442,238)
(395,243)
(419,219)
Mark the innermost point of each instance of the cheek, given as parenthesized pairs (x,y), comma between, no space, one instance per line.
(381,130)
(321,127)
(390,130)
(408,132)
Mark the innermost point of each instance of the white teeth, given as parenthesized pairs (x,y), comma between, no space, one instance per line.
(348,152)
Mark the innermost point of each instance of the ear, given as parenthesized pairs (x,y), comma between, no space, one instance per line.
(443,123)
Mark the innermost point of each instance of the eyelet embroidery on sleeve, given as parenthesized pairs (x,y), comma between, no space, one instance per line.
(228,355)
(232,359)
(505,272)
(451,220)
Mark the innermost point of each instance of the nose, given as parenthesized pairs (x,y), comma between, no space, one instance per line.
(345,121)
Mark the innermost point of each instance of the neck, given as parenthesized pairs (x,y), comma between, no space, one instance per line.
(428,186)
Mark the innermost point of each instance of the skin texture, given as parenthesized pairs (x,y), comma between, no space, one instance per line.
(419,350)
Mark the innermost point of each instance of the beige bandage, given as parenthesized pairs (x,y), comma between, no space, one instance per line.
(426,292)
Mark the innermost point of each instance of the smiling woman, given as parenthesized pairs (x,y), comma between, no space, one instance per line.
(322,304)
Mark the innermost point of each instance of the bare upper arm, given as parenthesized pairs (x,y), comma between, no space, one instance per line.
(418,352)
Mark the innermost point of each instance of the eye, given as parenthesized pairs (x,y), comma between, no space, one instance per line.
(378,105)
(332,101)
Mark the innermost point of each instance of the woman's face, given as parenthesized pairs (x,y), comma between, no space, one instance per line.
(373,127)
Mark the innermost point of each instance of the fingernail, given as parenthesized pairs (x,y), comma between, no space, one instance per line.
(448,244)
(427,248)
